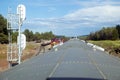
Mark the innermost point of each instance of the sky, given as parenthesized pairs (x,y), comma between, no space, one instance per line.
(66,17)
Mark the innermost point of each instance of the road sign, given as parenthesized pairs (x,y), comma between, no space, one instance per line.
(23,41)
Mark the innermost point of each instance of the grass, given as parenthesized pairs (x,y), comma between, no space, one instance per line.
(31,48)
(3,51)
(113,47)
(2,56)
(107,43)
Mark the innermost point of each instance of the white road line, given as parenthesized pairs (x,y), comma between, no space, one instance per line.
(57,65)
(53,71)
(93,61)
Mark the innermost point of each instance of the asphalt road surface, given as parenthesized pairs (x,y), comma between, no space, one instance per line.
(74,60)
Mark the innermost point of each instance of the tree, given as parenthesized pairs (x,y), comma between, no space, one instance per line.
(37,36)
(14,36)
(31,36)
(115,34)
(118,29)
(3,30)
(47,35)
(27,33)
(3,38)
(110,33)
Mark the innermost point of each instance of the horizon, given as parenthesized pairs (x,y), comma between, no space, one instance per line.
(66,17)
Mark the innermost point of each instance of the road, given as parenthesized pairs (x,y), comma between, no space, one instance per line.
(74,60)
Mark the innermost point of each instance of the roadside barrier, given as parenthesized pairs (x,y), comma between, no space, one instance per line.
(95,47)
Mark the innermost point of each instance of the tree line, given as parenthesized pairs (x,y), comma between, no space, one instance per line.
(109,33)
(30,36)
(3,30)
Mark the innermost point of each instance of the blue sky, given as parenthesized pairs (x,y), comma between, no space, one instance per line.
(66,17)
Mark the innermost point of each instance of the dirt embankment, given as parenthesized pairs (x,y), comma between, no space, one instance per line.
(31,50)
(3,57)
(113,51)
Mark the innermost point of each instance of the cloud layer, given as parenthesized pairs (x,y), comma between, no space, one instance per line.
(88,17)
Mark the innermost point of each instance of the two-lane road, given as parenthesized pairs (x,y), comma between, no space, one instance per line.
(72,60)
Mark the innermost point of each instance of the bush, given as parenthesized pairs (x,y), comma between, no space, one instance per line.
(3,38)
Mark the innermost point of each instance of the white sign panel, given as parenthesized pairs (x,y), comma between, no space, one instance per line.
(23,41)
(21,10)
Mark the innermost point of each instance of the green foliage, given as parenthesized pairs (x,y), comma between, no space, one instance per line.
(30,36)
(37,36)
(47,35)
(109,45)
(110,33)
(14,36)
(3,30)
(3,38)
(118,29)
(84,37)
(115,34)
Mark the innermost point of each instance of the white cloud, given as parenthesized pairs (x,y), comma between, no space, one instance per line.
(93,3)
(96,14)
(82,17)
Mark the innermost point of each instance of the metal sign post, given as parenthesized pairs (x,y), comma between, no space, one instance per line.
(21,13)
(19,51)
